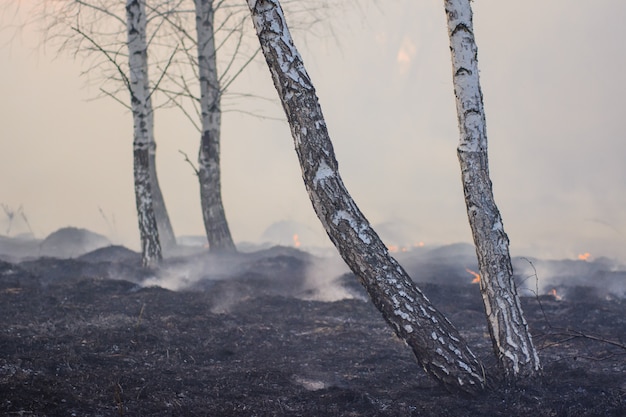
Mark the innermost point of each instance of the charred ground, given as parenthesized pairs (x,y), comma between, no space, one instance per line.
(92,336)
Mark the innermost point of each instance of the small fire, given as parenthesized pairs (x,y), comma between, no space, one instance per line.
(406,54)
(554,294)
(398,248)
(296,240)
(584,256)
(393,248)
(476,276)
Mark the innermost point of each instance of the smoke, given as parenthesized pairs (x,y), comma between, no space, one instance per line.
(308,273)
(195,269)
(601,278)
(230,279)
(322,279)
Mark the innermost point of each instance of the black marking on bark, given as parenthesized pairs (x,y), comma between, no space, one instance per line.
(462,71)
(462,27)
(472,111)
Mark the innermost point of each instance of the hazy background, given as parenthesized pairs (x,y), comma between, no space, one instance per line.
(552,75)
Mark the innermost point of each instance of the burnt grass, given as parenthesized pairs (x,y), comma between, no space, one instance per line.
(88,337)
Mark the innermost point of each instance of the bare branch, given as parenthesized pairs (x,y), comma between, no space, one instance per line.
(114,97)
(234,54)
(241,69)
(169,62)
(30,229)
(195,170)
(256,115)
(185,112)
(108,56)
(102,10)
(179,27)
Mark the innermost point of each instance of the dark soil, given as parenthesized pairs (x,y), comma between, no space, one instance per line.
(250,340)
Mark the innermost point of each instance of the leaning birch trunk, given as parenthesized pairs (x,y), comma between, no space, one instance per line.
(209,176)
(137,57)
(436,343)
(508,328)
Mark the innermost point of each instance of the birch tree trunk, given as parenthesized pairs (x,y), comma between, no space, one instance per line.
(436,343)
(164,224)
(511,339)
(139,92)
(209,176)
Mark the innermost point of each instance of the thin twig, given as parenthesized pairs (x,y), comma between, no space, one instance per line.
(169,62)
(107,93)
(185,112)
(189,162)
(109,57)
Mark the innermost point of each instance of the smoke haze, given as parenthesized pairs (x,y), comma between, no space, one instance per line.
(552,79)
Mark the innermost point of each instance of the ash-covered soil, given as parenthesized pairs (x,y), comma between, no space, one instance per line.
(273,333)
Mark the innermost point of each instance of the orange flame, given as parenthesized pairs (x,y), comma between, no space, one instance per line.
(296,240)
(398,248)
(476,279)
(584,256)
(554,294)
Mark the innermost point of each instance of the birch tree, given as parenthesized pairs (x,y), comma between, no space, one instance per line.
(101,31)
(436,343)
(508,328)
(207,105)
(167,238)
(215,224)
(220,31)
(142,130)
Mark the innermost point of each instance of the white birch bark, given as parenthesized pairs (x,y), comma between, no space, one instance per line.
(436,343)
(511,339)
(142,124)
(209,175)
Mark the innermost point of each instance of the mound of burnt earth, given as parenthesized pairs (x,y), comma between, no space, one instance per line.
(112,253)
(70,242)
(239,338)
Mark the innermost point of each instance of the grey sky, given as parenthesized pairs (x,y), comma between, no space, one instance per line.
(552,76)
